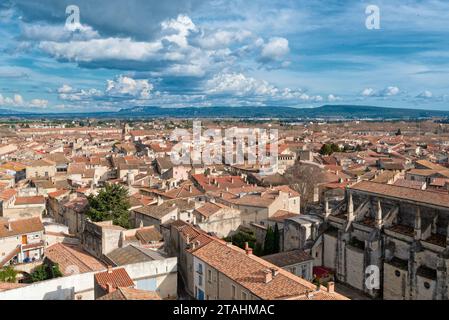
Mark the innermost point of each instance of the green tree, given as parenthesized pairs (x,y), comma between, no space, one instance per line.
(276,239)
(268,246)
(325,149)
(45,272)
(111,203)
(335,148)
(8,274)
(242,236)
(39,274)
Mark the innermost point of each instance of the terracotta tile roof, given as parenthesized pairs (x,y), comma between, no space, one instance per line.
(250,272)
(402,193)
(281,215)
(22,226)
(79,204)
(30,200)
(132,254)
(216,183)
(429,172)
(114,277)
(148,234)
(131,294)
(138,199)
(185,190)
(210,208)
(70,257)
(8,286)
(159,211)
(41,163)
(7,194)
(58,193)
(287,189)
(409,184)
(288,258)
(430,165)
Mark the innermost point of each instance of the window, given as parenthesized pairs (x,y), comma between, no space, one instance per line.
(200,269)
(244,296)
(209,275)
(200,280)
(426,285)
(397,273)
(293,270)
(233,290)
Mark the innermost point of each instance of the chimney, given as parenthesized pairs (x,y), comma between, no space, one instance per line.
(109,288)
(110,269)
(188,239)
(248,249)
(159,200)
(232,180)
(268,276)
(190,188)
(274,272)
(9,226)
(331,287)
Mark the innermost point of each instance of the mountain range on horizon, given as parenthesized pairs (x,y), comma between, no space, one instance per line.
(323,112)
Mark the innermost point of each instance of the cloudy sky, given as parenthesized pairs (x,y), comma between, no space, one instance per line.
(178,53)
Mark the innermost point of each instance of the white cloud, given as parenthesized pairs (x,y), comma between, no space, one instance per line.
(333,98)
(126,86)
(177,30)
(47,32)
(387,92)
(368,92)
(222,38)
(390,91)
(65,89)
(39,103)
(180,49)
(426,94)
(79,95)
(276,49)
(240,85)
(18,100)
(102,49)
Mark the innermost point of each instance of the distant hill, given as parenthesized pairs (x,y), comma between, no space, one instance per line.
(328,112)
(325,112)
(10,112)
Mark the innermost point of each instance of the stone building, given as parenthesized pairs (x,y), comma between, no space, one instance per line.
(395,235)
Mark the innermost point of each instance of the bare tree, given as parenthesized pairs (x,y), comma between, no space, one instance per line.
(304,178)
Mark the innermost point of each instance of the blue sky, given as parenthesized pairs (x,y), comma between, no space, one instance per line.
(178,53)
